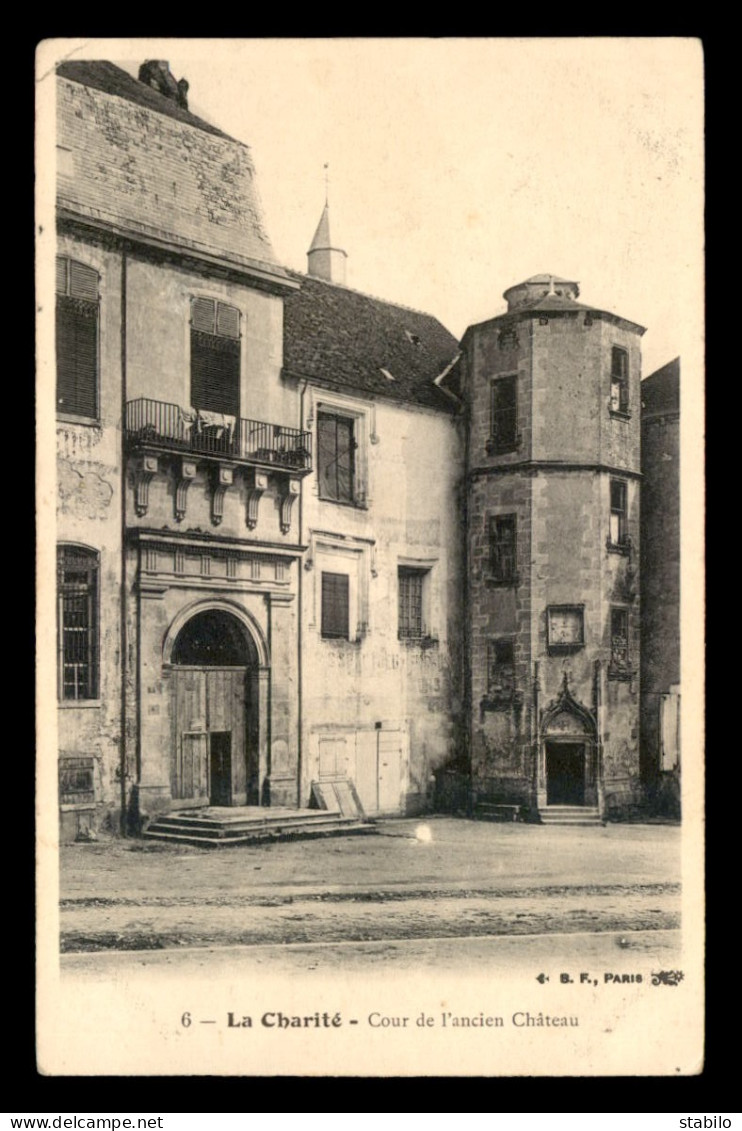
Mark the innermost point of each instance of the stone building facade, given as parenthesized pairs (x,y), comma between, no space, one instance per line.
(303,534)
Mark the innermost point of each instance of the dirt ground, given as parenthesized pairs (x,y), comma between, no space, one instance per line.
(468,880)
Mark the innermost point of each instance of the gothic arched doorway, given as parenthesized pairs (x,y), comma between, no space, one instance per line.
(215,711)
(568,770)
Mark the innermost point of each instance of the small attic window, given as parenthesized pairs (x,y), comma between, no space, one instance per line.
(389,376)
(414,338)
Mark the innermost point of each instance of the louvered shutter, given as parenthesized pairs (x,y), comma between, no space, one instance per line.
(203,315)
(227,321)
(83,281)
(335,593)
(77,356)
(61,275)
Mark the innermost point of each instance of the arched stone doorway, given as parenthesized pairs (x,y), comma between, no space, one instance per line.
(215,709)
(568,763)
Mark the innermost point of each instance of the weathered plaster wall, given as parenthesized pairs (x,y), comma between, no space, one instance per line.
(411,517)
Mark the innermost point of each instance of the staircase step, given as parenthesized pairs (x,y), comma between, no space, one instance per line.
(256,836)
(584,815)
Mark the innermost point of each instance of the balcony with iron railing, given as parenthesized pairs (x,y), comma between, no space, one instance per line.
(157,425)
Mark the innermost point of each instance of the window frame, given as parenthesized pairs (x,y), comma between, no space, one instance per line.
(338,416)
(620,667)
(88,561)
(496,444)
(216,343)
(496,574)
(622,543)
(619,404)
(325,632)
(66,300)
(416,633)
(503,691)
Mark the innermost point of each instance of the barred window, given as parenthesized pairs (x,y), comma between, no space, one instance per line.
(501,667)
(618,532)
(619,380)
(77,622)
(504,414)
(336,457)
(77,318)
(503,557)
(410,588)
(335,606)
(215,356)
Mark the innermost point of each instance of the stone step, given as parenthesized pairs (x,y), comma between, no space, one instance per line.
(491,811)
(255,836)
(570,815)
(242,824)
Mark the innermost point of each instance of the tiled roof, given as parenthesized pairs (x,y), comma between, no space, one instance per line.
(660,392)
(361,344)
(140,164)
(100,75)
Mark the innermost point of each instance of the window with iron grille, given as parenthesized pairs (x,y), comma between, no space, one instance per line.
(410,589)
(335,606)
(77,317)
(619,380)
(503,556)
(500,668)
(336,457)
(77,622)
(618,532)
(503,415)
(619,639)
(215,356)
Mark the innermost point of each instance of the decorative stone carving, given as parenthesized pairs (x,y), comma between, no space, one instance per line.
(224,478)
(293,488)
(145,467)
(254,495)
(186,473)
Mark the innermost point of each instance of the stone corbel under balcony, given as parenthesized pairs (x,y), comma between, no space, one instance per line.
(185,474)
(145,466)
(223,478)
(292,489)
(255,488)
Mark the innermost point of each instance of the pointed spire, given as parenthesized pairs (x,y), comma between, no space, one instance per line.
(323,260)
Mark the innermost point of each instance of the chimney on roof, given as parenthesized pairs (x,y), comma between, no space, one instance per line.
(156,73)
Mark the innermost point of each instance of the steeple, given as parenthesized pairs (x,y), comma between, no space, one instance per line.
(323,260)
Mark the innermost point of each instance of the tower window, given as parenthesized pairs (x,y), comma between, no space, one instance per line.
(619,639)
(502,548)
(336,457)
(503,415)
(619,380)
(618,531)
(500,668)
(215,356)
(77,337)
(77,623)
(335,606)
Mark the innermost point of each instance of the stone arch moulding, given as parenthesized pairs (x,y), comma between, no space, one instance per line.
(247,620)
(566,704)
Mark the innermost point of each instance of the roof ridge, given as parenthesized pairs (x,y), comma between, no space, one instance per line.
(367,294)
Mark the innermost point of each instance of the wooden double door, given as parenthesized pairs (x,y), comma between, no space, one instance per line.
(210,736)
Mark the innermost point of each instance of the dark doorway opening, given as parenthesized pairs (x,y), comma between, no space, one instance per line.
(565,773)
(220,767)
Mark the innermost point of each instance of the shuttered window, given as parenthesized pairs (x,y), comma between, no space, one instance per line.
(215,356)
(77,622)
(336,457)
(335,606)
(77,337)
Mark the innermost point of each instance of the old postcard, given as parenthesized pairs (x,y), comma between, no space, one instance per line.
(370,694)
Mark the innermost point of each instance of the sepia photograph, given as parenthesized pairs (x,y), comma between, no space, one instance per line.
(370,562)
